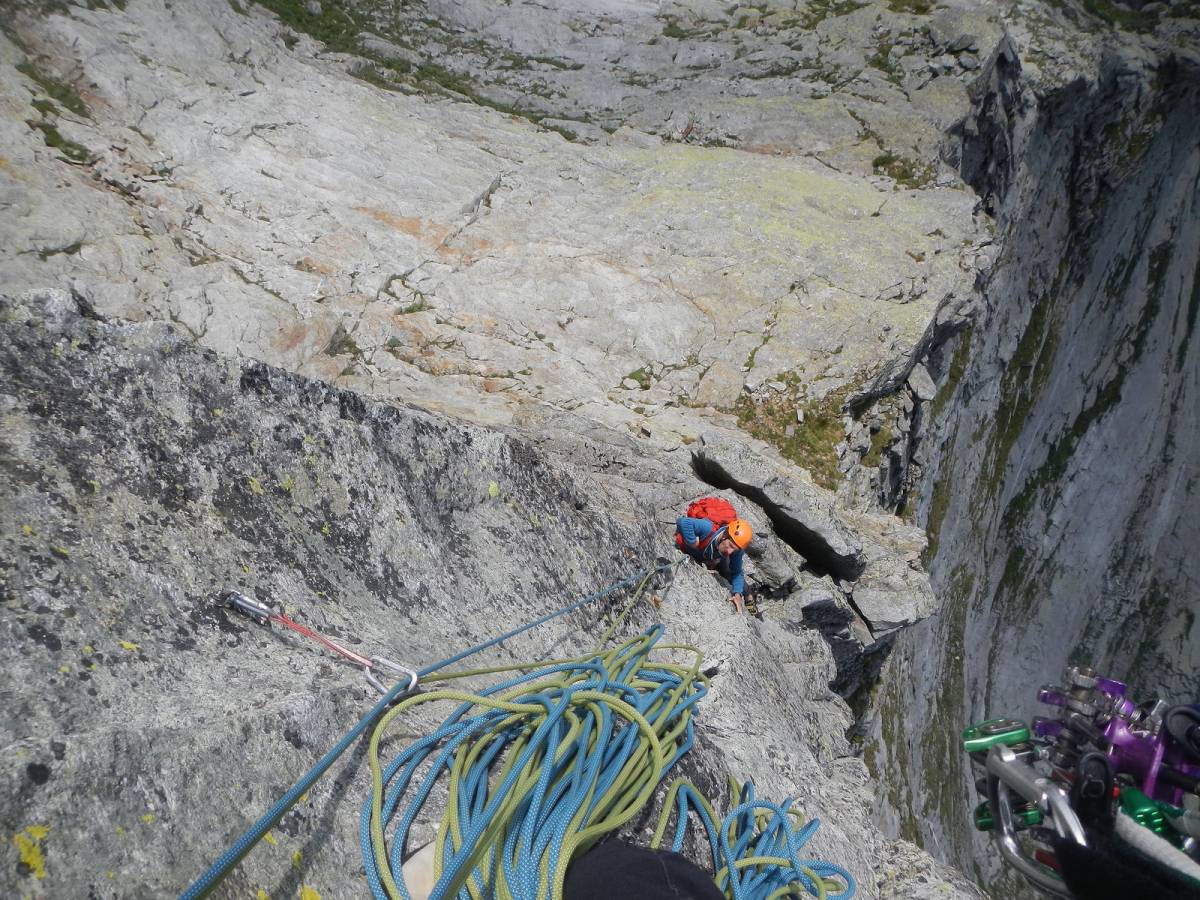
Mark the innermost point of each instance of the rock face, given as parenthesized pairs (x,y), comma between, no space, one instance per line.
(418,318)
(444,253)
(210,166)
(143,475)
(1062,462)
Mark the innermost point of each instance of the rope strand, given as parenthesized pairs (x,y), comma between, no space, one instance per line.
(244,844)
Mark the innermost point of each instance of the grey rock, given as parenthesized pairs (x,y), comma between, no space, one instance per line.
(701,55)
(961,43)
(269,253)
(875,553)
(225,196)
(576,130)
(806,509)
(395,530)
(921,384)
(720,387)
(388,51)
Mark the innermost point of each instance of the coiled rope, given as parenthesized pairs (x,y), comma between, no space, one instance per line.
(542,766)
(244,844)
(756,851)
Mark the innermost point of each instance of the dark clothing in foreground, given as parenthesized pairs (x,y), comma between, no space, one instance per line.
(616,869)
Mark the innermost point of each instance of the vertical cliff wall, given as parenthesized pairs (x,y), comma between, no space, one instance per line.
(1062,464)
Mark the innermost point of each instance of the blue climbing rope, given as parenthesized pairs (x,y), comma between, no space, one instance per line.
(756,849)
(232,856)
(542,766)
(584,743)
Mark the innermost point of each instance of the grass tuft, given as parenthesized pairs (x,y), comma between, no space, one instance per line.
(811,444)
(59,91)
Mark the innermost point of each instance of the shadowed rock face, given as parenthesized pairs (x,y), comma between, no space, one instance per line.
(1063,472)
(143,476)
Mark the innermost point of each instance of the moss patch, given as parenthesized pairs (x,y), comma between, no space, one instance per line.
(60,92)
(810,444)
(817,11)
(1050,472)
(905,172)
(642,377)
(1024,379)
(893,709)
(939,503)
(880,441)
(941,747)
(71,151)
(1135,338)
(334,26)
(339,29)
(342,344)
(69,250)
(1120,15)
(418,305)
(882,60)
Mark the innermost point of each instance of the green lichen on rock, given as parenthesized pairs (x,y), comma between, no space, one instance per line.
(1043,483)
(1049,474)
(892,709)
(1139,640)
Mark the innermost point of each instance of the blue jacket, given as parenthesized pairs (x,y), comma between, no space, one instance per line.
(695,530)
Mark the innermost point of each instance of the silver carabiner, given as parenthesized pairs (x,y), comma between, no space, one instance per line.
(1006,772)
(396,669)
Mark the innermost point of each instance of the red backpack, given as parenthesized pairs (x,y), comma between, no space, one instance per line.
(718,511)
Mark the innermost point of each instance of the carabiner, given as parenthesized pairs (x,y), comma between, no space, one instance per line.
(260,612)
(393,667)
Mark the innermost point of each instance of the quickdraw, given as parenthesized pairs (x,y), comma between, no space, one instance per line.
(264,615)
(1103,761)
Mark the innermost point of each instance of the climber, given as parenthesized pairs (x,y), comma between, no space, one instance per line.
(720,547)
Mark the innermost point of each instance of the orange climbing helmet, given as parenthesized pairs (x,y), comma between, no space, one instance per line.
(740,532)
